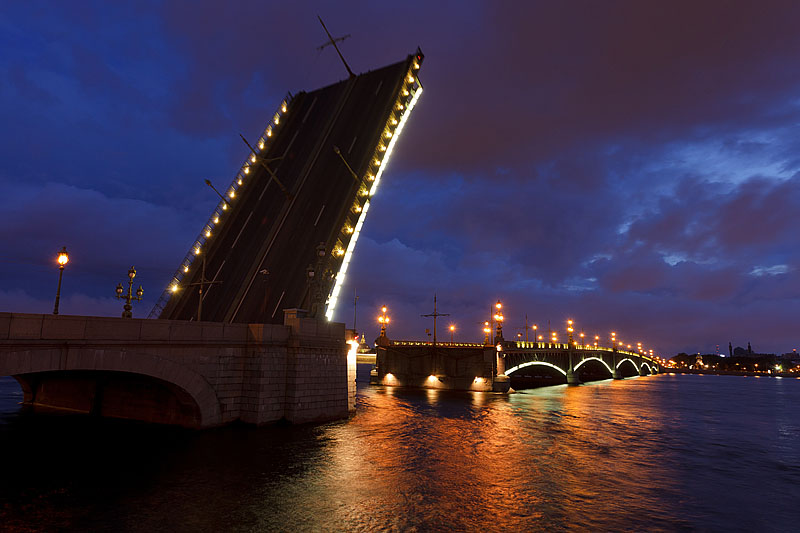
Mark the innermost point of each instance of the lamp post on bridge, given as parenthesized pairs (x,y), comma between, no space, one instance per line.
(501,382)
(487,332)
(615,374)
(572,376)
(126,313)
(63,259)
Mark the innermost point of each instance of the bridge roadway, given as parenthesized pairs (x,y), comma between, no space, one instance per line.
(263,230)
(465,366)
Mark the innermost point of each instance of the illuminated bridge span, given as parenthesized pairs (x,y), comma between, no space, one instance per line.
(284,232)
(462,366)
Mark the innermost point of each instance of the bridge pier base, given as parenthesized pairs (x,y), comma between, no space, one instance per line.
(501,383)
(616,374)
(573,378)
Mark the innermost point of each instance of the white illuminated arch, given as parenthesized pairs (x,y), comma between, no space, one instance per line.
(531,363)
(596,359)
(628,359)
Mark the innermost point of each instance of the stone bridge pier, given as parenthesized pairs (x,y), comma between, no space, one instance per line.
(193,374)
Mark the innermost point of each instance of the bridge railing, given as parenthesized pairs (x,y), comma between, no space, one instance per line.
(526,345)
(217,217)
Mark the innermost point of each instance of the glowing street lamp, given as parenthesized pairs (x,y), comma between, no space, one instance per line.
(535,327)
(569,330)
(596,340)
(452,330)
(126,313)
(582,336)
(498,316)
(62,260)
(383,319)
(487,330)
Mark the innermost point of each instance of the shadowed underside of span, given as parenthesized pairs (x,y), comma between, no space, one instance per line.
(285,232)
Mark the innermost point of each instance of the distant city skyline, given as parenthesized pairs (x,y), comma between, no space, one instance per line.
(631,166)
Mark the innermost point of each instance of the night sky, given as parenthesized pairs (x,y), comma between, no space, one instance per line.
(630,165)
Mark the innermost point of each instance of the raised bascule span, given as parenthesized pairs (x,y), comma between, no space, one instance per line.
(285,232)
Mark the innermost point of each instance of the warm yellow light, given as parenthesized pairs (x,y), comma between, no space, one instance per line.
(239,181)
(253,158)
(348,229)
(63,257)
(216,220)
(388,134)
(225,207)
(380,319)
(247,170)
(387,319)
(416,65)
(498,305)
(541,337)
(269,132)
(283,108)
(382,148)
(174,288)
(394,122)
(208,233)
(232,194)
(197,251)
(383,309)
(377,161)
(405,92)
(410,78)
(277,120)
(261,145)
(371,177)
(186,269)
(452,328)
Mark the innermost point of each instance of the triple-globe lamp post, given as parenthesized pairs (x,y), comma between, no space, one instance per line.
(129,296)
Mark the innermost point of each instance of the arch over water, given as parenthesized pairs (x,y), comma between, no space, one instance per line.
(610,371)
(31,362)
(630,361)
(531,363)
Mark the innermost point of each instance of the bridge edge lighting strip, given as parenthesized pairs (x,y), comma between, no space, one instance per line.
(219,211)
(333,298)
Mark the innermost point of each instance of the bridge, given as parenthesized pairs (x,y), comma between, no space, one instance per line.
(244,330)
(192,374)
(497,367)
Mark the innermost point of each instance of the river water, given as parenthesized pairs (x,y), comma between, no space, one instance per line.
(658,453)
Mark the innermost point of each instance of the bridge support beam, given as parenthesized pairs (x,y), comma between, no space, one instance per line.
(616,374)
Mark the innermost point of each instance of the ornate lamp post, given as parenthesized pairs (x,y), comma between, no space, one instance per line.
(487,331)
(452,330)
(569,331)
(383,319)
(63,259)
(498,316)
(535,331)
(129,296)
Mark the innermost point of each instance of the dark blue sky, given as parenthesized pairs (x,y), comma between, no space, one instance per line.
(631,165)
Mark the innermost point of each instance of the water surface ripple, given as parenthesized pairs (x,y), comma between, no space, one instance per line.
(661,453)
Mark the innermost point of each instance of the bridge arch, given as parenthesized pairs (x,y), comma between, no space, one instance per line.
(610,370)
(646,364)
(24,364)
(531,363)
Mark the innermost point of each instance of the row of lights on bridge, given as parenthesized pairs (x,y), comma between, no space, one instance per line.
(499,318)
